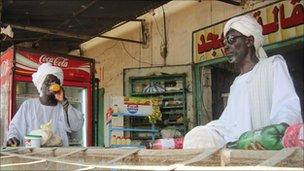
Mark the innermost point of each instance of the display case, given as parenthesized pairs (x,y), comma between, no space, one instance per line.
(171,89)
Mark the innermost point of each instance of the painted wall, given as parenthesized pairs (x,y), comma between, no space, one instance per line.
(182,18)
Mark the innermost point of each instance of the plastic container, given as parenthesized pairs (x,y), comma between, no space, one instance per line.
(32,141)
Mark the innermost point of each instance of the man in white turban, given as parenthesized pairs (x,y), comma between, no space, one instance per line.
(51,107)
(263,93)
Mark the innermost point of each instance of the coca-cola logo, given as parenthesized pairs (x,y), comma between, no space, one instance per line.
(56,61)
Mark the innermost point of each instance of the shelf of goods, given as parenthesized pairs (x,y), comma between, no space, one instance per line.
(171,89)
(151,130)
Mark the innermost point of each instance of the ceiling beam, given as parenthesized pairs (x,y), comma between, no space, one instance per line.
(35,38)
(50,31)
(12,16)
(69,34)
(75,14)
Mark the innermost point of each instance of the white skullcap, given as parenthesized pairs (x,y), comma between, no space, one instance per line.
(44,70)
(248,26)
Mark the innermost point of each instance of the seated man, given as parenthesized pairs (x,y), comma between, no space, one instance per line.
(261,95)
(50,107)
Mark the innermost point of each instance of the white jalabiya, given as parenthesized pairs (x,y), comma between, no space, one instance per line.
(237,116)
(32,114)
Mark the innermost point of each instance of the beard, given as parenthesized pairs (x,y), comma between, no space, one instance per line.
(50,96)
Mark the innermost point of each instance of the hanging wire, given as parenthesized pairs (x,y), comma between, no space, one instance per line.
(108,49)
(128,53)
(157,28)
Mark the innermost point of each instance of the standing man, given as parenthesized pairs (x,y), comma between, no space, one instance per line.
(261,95)
(52,106)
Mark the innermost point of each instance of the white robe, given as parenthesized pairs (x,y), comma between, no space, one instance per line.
(32,114)
(236,118)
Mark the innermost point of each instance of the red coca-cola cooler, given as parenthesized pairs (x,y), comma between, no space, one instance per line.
(17,66)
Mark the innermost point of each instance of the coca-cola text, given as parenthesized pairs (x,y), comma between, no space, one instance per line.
(56,61)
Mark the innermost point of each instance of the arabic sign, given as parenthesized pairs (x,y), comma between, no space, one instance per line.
(280,21)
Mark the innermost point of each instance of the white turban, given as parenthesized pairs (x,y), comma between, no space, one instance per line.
(44,70)
(248,26)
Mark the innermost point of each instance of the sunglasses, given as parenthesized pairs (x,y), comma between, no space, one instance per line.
(231,39)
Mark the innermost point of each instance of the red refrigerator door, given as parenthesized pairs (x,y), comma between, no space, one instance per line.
(80,96)
(6,81)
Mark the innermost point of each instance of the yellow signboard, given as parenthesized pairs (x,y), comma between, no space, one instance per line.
(280,21)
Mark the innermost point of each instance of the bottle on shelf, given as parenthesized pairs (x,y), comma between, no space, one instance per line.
(115,108)
(114,140)
(166,143)
(118,140)
(128,140)
(123,140)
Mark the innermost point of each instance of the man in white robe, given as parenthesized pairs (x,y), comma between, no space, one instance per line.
(50,106)
(261,95)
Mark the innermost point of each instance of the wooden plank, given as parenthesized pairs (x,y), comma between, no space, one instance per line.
(233,168)
(281,155)
(132,167)
(44,159)
(227,155)
(169,152)
(123,156)
(249,154)
(4,157)
(18,164)
(87,168)
(73,152)
(206,153)
(22,156)
(41,151)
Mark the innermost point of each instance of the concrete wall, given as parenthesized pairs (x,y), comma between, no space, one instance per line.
(182,18)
